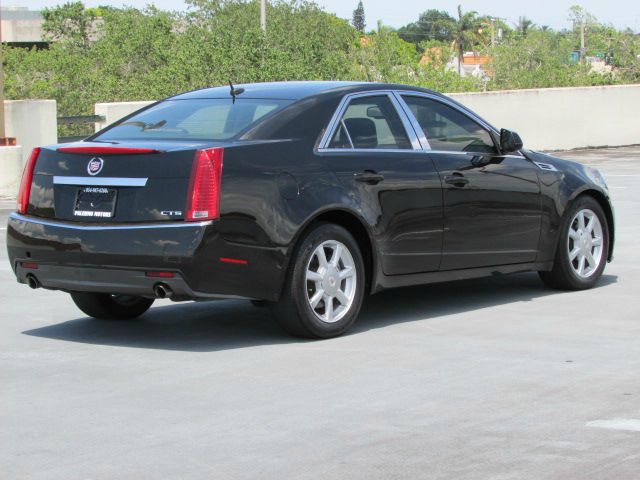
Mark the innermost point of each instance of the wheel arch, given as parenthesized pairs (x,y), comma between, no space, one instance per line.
(355,225)
(604,203)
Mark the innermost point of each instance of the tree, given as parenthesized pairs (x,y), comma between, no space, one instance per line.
(539,60)
(524,25)
(431,25)
(70,24)
(382,56)
(467,29)
(579,16)
(358,20)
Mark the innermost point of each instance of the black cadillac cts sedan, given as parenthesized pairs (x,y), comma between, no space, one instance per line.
(304,196)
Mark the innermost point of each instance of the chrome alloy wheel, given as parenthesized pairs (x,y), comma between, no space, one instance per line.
(331,281)
(585,244)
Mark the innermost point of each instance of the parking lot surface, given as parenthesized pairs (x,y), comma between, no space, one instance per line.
(496,378)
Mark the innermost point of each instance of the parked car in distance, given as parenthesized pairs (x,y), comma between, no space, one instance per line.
(305,196)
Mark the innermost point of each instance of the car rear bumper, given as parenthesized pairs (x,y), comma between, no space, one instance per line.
(118,258)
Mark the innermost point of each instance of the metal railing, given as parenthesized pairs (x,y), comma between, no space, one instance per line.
(79,120)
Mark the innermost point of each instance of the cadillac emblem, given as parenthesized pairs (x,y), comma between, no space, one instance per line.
(95,165)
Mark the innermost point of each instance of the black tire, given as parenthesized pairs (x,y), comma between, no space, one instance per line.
(294,312)
(563,276)
(111,307)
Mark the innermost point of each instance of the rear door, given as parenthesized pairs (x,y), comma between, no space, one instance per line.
(377,157)
(492,206)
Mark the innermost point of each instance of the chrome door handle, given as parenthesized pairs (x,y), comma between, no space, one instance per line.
(456,180)
(369,177)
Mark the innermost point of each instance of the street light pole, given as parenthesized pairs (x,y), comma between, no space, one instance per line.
(263,15)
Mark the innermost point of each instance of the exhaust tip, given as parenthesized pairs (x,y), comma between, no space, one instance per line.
(162,290)
(32,281)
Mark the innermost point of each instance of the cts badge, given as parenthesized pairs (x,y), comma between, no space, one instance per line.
(95,165)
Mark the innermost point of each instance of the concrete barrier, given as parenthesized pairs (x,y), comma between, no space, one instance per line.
(10,170)
(115,111)
(33,123)
(563,118)
(546,118)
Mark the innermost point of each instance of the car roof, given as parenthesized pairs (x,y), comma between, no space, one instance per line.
(292,90)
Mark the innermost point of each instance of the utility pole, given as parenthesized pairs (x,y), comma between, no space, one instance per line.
(582,47)
(263,15)
(493,32)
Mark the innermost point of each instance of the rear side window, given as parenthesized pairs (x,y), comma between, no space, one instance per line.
(448,129)
(371,123)
(194,119)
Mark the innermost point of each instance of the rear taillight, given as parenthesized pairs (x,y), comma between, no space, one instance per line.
(25,183)
(203,196)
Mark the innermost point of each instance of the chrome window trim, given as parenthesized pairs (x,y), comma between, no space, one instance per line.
(475,154)
(22,218)
(100,181)
(369,150)
(336,120)
(422,138)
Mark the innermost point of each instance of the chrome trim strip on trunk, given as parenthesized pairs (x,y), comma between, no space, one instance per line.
(59,224)
(100,181)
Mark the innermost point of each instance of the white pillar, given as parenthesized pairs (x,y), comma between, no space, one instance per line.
(10,170)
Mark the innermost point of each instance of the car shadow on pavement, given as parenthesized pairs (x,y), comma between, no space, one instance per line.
(229,324)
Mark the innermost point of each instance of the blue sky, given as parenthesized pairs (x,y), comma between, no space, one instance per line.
(621,13)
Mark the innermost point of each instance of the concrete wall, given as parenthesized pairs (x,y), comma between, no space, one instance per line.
(546,119)
(563,118)
(115,111)
(32,122)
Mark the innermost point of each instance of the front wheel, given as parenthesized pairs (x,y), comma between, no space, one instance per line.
(111,307)
(583,248)
(325,286)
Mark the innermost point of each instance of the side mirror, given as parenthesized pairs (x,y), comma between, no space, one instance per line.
(509,141)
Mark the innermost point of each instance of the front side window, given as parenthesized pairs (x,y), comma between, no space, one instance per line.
(370,123)
(448,129)
(203,119)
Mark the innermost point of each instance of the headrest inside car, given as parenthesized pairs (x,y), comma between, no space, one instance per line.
(363,132)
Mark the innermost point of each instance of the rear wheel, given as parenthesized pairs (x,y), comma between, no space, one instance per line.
(325,286)
(111,307)
(583,247)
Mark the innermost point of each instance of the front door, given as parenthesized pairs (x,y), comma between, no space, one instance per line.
(491,202)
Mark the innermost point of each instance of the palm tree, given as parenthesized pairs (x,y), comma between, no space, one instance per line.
(465,34)
(524,25)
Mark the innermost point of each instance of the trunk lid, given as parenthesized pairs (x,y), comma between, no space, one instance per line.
(114,182)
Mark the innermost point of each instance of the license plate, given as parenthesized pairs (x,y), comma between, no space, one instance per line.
(95,202)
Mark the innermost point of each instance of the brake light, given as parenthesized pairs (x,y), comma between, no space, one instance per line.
(203,196)
(25,183)
(107,150)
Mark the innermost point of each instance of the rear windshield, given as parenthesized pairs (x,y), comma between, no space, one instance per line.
(193,119)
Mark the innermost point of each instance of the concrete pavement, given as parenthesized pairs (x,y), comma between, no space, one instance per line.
(495,378)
